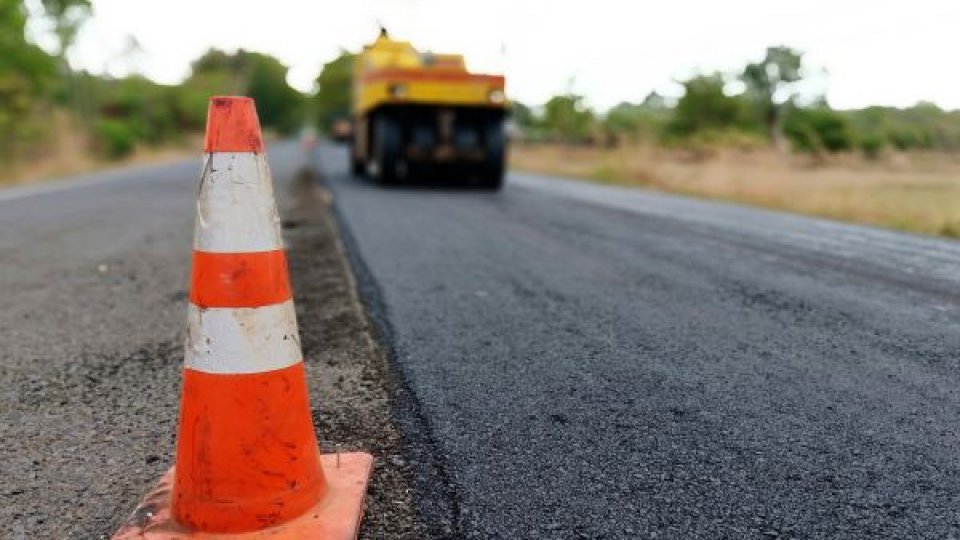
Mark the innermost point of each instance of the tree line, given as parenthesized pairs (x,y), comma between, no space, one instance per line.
(116,115)
(759,105)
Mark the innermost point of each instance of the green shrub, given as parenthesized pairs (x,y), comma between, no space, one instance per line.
(115,138)
(705,107)
(819,129)
(872,145)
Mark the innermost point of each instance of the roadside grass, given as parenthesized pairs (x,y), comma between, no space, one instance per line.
(68,151)
(58,166)
(917,192)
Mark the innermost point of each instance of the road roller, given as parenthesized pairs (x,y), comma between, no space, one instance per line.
(419,115)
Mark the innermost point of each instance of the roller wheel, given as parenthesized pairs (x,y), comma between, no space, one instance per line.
(387,144)
(357,166)
(494,163)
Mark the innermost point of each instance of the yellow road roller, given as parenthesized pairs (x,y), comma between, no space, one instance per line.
(420,115)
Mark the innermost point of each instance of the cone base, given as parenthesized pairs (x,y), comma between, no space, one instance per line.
(335,517)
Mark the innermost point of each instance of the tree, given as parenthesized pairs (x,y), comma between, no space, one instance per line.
(146,109)
(214,73)
(67,17)
(17,55)
(523,116)
(705,107)
(278,104)
(770,86)
(25,72)
(257,75)
(623,119)
(819,129)
(566,116)
(333,97)
(637,120)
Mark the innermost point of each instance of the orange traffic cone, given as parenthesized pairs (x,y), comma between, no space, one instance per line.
(247,459)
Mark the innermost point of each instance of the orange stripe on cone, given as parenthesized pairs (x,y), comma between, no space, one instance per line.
(247,459)
(239,279)
(244,464)
(233,126)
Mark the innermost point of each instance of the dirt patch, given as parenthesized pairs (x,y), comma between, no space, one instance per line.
(349,379)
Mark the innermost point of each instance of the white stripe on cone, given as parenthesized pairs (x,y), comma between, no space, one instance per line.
(236,212)
(242,340)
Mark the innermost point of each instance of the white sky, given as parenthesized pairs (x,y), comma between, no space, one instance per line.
(888,52)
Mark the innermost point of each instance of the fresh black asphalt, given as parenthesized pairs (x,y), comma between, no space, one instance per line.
(571,360)
(585,361)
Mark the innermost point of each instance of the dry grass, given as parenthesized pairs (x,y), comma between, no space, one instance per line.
(68,152)
(916,192)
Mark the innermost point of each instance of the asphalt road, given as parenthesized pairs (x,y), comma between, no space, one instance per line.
(93,282)
(593,362)
(93,279)
(572,360)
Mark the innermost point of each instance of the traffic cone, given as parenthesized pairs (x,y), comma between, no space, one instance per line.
(247,463)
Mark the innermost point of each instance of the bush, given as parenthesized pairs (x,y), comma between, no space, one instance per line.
(115,138)
(819,129)
(706,112)
(872,145)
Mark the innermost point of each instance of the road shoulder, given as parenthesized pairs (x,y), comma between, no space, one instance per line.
(350,382)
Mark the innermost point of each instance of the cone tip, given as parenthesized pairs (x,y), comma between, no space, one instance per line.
(232,125)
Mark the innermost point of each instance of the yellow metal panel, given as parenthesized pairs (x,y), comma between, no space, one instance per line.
(427,92)
(440,79)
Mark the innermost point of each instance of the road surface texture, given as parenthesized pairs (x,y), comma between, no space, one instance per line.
(94,277)
(583,361)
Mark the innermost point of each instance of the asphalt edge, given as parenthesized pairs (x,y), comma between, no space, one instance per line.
(437,496)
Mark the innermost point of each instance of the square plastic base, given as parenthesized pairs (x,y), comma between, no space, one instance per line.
(336,517)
